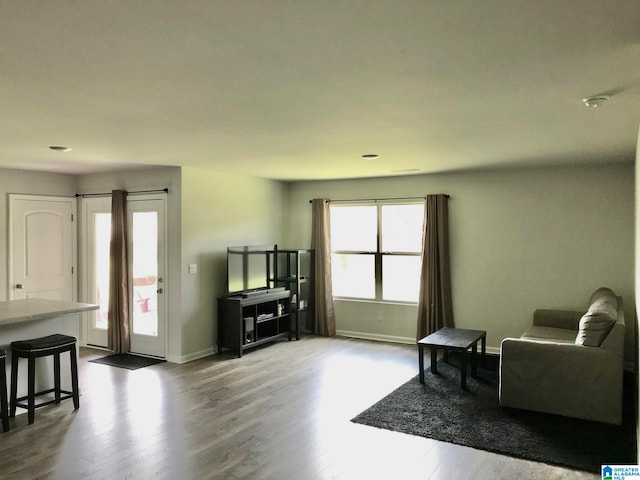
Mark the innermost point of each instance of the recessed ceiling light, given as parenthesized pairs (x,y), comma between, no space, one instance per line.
(370,156)
(597,101)
(59,148)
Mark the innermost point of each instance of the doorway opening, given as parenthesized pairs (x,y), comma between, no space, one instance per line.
(147,260)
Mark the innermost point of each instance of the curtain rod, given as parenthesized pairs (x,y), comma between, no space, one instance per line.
(379,199)
(165,190)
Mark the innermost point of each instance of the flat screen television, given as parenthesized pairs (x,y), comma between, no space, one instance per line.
(247,268)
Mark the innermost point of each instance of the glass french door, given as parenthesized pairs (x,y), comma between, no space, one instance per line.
(96,217)
(147,282)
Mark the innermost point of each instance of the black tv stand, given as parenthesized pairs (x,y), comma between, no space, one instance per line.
(262,316)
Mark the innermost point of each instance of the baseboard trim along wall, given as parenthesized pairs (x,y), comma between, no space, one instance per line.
(376,337)
(342,333)
(395,339)
(192,356)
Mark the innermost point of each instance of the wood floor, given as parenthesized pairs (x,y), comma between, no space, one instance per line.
(279,412)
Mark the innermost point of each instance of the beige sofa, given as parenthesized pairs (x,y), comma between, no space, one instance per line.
(568,363)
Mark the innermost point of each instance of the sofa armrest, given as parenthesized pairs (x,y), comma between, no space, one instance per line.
(561,378)
(557,319)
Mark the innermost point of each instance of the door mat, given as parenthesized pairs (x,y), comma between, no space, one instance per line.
(126,360)
(441,410)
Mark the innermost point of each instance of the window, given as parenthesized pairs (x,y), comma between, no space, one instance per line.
(376,251)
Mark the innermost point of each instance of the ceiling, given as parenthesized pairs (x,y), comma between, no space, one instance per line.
(301,89)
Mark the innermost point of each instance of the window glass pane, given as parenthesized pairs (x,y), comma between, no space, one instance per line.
(401,277)
(354,228)
(353,276)
(102,236)
(145,273)
(402,228)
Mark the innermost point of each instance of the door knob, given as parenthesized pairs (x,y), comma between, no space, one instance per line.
(19,286)
(159,290)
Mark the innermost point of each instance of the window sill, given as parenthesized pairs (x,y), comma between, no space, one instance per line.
(374,302)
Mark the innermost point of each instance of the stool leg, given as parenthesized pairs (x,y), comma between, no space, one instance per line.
(31,393)
(4,408)
(14,384)
(74,377)
(56,376)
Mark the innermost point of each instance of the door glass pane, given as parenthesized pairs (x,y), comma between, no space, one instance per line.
(401,277)
(402,228)
(145,273)
(353,275)
(102,238)
(354,228)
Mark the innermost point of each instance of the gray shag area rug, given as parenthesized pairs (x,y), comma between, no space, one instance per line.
(441,410)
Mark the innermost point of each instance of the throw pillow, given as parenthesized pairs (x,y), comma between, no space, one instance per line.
(599,320)
(594,328)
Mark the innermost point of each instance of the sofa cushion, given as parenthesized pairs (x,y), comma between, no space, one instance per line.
(550,334)
(597,322)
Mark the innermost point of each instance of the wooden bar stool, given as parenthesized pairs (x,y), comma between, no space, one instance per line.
(42,347)
(4,407)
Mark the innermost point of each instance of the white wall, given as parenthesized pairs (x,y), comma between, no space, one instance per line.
(151,179)
(28,183)
(220,210)
(521,239)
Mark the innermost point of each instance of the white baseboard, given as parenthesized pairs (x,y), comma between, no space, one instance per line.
(493,350)
(192,356)
(376,337)
(95,347)
(394,339)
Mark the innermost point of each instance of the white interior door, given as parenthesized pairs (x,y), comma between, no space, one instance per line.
(147,282)
(41,247)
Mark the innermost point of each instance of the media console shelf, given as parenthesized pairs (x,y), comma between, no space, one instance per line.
(294,270)
(246,321)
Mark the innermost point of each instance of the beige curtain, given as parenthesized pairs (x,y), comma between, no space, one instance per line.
(324,317)
(435,308)
(118,325)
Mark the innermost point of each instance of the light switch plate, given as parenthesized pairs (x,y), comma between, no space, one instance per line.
(193,268)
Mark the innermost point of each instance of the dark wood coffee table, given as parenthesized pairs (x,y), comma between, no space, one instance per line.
(456,339)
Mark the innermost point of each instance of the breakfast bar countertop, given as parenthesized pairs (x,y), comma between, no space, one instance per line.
(30,309)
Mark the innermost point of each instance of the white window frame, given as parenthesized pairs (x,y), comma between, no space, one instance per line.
(379,254)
